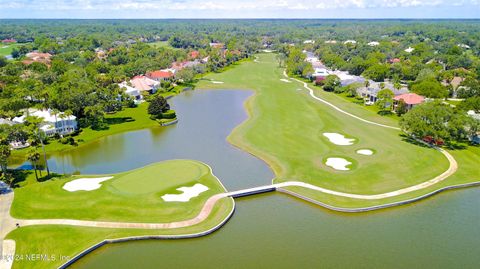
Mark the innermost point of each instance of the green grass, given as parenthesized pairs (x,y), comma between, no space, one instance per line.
(129,119)
(6,49)
(133,196)
(286,126)
(161,44)
(69,240)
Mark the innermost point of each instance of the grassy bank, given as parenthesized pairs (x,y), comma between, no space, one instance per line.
(133,196)
(126,120)
(286,129)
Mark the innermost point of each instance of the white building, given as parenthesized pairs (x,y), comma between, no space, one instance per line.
(409,49)
(52,124)
(350,42)
(134,93)
(320,72)
(374,44)
(309,42)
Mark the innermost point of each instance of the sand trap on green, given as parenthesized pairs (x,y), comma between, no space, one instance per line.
(365,152)
(187,193)
(338,164)
(160,177)
(339,139)
(85,184)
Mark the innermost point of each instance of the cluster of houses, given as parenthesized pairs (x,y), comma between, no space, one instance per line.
(150,82)
(52,124)
(369,91)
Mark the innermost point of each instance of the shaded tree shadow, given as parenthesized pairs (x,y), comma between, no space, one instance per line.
(412,141)
(118,120)
(19,176)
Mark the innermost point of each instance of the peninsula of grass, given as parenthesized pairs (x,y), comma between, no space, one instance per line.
(285,128)
(69,241)
(133,196)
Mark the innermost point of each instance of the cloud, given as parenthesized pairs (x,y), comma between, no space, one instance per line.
(198,7)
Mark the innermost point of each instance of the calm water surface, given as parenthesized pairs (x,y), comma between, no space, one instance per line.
(274,230)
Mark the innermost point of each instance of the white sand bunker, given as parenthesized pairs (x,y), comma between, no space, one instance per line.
(339,139)
(188,193)
(285,80)
(85,184)
(217,82)
(338,163)
(365,152)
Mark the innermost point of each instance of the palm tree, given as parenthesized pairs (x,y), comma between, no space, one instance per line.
(41,135)
(34,156)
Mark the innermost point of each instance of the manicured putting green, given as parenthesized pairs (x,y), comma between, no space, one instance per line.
(160,177)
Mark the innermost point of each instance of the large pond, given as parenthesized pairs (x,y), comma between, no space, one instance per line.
(274,230)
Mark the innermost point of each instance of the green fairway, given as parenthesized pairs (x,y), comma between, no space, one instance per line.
(133,196)
(6,49)
(286,129)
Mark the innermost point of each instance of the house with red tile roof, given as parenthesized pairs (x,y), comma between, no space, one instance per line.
(394,60)
(9,40)
(193,54)
(143,83)
(411,99)
(161,75)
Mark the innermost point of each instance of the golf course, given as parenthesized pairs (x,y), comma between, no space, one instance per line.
(320,147)
(287,127)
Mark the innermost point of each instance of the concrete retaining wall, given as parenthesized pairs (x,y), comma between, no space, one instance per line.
(145,237)
(365,209)
(169,123)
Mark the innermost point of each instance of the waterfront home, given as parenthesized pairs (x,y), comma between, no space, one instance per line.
(144,83)
(161,75)
(410,99)
(131,91)
(51,123)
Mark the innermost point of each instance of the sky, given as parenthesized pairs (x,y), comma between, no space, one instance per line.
(158,9)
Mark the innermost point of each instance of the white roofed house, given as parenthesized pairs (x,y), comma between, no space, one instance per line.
(373,44)
(131,91)
(52,123)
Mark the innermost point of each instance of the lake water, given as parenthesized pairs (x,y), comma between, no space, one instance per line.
(274,230)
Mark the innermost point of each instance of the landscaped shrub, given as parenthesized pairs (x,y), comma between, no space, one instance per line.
(170,114)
